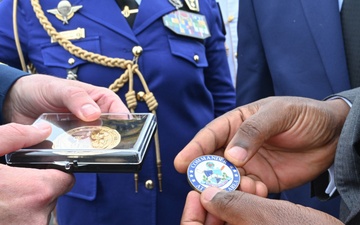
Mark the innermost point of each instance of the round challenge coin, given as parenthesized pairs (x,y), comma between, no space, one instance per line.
(213,171)
(88,137)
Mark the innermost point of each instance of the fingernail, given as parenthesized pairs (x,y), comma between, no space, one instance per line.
(237,153)
(43,126)
(88,110)
(209,193)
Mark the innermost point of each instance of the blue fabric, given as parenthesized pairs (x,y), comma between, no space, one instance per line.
(190,94)
(8,76)
(291,48)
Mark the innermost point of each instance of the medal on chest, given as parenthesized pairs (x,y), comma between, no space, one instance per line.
(187,23)
(64,11)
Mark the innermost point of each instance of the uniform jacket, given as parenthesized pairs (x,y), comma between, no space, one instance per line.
(190,93)
(291,48)
(347,162)
(8,76)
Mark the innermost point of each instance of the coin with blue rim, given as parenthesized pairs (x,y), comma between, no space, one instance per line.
(213,171)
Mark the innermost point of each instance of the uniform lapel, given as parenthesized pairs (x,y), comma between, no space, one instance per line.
(324,21)
(149,11)
(108,15)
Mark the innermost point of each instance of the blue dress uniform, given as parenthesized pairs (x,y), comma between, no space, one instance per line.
(189,78)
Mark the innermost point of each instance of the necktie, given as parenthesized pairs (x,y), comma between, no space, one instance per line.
(350,19)
(129,9)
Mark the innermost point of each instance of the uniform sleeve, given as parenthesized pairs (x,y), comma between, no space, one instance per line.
(217,74)
(8,76)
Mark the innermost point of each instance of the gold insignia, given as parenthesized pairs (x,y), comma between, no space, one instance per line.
(127,11)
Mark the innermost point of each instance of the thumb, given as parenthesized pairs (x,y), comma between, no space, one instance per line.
(238,207)
(16,136)
(227,206)
(262,122)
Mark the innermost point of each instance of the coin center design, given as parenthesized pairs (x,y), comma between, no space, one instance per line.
(88,137)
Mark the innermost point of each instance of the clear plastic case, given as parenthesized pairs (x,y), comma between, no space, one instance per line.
(113,143)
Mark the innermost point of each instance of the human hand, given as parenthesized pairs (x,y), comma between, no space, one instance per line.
(32,95)
(282,142)
(215,207)
(28,196)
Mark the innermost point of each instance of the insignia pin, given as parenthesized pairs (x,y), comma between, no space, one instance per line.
(193,5)
(213,171)
(127,11)
(177,3)
(64,11)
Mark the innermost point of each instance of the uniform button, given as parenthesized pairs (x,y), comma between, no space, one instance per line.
(149,184)
(140,96)
(137,50)
(230,18)
(71,61)
(196,58)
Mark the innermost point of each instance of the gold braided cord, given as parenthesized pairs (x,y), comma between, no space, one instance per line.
(75,50)
(16,37)
(130,67)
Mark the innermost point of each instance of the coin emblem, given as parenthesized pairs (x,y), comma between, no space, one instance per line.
(88,137)
(213,171)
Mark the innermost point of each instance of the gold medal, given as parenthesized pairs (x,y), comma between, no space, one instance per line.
(88,137)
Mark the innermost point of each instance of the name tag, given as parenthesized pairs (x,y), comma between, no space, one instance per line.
(72,34)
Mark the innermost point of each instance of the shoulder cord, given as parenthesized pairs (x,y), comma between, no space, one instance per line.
(16,37)
(129,66)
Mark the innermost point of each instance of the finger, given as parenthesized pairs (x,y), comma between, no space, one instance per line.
(253,186)
(241,208)
(53,94)
(92,101)
(108,101)
(223,204)
(208,140)
(61,182)
(231,207)
(16,136)
(262,121)
(33,191)
(81,104)
(194,213)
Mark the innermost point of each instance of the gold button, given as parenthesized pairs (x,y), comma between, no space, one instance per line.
(140,96)
(137,50)
(196,58)
(71,61)
(230,18)
(149,184)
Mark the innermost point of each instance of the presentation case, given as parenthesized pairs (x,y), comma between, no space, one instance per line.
(113,143)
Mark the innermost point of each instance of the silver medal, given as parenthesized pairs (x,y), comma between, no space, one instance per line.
(64,11)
